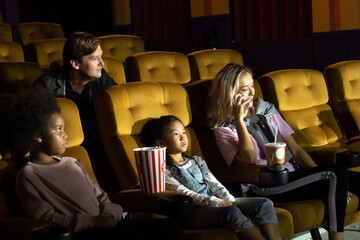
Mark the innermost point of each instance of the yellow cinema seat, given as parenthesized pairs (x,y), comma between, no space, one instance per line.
(157,66)
(121,46)
(30,32)
(15,76)
(47,53)
(301,97)
(343,80)
(11,52)
(5,33)
(204,64)
(115,69)
(33,31)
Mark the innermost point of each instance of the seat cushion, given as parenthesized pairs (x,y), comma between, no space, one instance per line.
(11,52)
(121,46)
(14,76)
(206,63)
(115,69)
(33,31)
(158,66)
(306,214)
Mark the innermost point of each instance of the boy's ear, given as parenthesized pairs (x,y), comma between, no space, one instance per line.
(160,142)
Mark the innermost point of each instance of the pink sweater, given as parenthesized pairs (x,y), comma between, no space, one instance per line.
(64,193)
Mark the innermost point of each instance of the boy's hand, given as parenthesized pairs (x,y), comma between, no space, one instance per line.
(105,221)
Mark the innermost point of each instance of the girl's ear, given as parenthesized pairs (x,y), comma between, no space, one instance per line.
(160,142)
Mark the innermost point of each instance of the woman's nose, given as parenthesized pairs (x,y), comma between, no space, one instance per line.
(252,92)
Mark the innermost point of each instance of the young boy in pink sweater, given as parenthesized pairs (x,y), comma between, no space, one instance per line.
(60,189)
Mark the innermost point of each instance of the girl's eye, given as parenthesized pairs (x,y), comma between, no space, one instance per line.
(58,129)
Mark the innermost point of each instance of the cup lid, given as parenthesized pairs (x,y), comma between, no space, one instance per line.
(273,144)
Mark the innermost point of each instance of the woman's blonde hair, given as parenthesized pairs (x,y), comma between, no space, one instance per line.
(224,87)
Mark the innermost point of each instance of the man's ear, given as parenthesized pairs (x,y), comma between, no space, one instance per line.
(75,64)
(160,142)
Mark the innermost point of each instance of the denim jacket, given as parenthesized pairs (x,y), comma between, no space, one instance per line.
(198,183)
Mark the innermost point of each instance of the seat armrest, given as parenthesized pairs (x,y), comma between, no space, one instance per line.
(242,174)
(22,227)
(134,200)
(324,155)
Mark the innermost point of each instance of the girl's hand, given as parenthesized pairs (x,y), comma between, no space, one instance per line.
(105,221)
(240,106)
(226,204)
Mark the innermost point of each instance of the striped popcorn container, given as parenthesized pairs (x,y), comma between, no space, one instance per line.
(150,163)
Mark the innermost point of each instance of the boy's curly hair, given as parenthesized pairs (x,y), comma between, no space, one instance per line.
(24,117)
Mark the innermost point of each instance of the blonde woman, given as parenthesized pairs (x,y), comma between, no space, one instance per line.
(242,125)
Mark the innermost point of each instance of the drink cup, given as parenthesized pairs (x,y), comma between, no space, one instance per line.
(275,155)
(150,163)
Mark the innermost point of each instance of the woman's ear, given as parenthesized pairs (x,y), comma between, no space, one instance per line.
(160,142)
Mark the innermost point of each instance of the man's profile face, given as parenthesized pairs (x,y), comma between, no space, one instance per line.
(92,64)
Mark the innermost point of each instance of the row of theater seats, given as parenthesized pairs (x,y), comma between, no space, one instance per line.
(42,43)
(300,95)
(159,83)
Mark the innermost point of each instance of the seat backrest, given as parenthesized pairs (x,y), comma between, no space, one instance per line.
(11,52)
(123,110)
(75,134)
(121,46)
(158,66)
(205,64)
(34,31)
(9,203)
(47,52)
(15,76)
(5,32)
(343,80)
(301,97)
(115,69)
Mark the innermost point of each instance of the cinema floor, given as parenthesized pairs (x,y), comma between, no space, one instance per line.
(352,232)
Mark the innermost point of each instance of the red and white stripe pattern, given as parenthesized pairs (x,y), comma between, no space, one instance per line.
(150,163)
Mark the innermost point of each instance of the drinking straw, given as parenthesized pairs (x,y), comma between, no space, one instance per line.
(276,131)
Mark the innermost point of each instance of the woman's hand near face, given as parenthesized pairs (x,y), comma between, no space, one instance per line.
(240,106)
(246,152)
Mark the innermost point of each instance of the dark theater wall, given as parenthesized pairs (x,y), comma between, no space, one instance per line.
(74,15)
